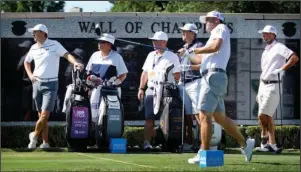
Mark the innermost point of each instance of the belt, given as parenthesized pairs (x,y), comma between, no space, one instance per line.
(193,79)
(46,79)
(270,81)
(212,70)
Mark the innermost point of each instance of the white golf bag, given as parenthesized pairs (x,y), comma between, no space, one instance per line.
(108,117)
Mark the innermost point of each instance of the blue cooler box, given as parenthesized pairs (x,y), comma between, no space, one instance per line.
(211,158)
(118,145)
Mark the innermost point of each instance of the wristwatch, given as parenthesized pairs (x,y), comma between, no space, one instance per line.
(141,89)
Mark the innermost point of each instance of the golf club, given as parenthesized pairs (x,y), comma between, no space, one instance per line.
(183,107)
(281,138)
(98,32)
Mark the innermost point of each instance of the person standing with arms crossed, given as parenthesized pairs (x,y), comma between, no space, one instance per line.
(46,55)
(214,59)
(156,61)
(273,66)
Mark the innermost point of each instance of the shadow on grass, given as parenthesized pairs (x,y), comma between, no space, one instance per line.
(34,150)
(284,152)
(271,163)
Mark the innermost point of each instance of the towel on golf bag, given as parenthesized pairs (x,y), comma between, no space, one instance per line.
(68,94)
(95,104)
(158,88)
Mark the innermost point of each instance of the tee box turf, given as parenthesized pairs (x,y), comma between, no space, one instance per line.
(118,145)
(211,158)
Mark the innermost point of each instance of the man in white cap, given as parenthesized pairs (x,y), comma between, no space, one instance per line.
(214,59)
(273,65)
(156,60)
(46,55)
(189,85)
(105,63)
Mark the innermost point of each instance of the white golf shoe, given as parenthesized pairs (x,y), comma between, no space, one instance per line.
(248,150)
(44,146)
(195,159)
(33,141)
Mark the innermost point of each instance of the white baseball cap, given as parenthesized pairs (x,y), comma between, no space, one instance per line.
(190,27)
(108,38)
(215,14)
(268,29)
(160,36)
(40,27)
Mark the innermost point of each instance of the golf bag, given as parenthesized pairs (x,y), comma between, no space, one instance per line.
(110,122)
(78,115)
(170,130)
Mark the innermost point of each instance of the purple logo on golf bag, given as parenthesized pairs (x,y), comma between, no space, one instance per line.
(80,122)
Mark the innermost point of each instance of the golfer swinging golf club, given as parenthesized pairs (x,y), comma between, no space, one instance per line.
(273,66)
(189,85)
(215,56)
(156,61)
(46,55)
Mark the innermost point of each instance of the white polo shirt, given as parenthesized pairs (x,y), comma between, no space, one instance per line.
(99,64)
(155,63)
(220,58)
(46,58)
(273,57)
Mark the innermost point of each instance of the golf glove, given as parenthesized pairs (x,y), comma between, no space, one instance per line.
(117,82)
(184,67)
(276,71)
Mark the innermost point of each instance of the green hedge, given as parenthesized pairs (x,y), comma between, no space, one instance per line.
(17,136)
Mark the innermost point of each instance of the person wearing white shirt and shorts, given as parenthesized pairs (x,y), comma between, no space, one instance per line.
(273,65)
(156,61)
(214,59)
(192,79)
(46,55)
(106,63)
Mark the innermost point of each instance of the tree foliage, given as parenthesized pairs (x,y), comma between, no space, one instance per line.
(32,6)
(205,6)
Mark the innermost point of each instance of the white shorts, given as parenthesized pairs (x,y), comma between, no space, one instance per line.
(191,96)
(268,98)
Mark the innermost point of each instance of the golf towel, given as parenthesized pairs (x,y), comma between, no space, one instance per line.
(95,102)
(158,88)
(67,96)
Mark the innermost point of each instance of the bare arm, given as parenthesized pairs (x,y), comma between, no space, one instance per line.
(177,76)
(70,58)
(292,61)
(211,48)
(196,59)
(122,77)
(27,67)
(143,79)
(195,67)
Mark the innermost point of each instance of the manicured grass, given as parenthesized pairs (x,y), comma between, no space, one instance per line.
(61,160)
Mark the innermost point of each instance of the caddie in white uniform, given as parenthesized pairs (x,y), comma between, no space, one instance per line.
(106,63)
(46,55)
(214,59)
(156,61)
(190,80)
(273,65)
